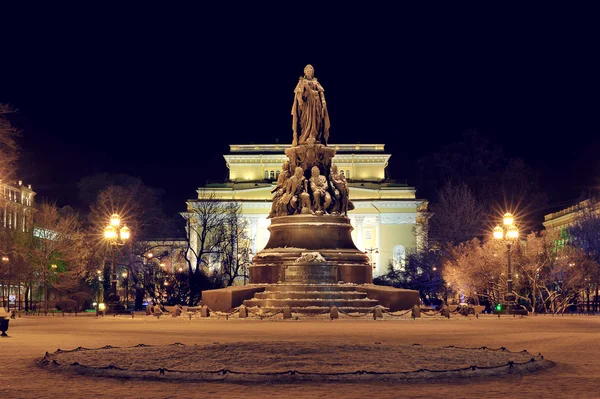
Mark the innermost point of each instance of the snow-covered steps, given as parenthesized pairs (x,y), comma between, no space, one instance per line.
(311,295)
(318,297)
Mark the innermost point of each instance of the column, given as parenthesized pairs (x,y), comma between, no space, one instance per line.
(193,237)
(380,267)
(253,232)
(359,232)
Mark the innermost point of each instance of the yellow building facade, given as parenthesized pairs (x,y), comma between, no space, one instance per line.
(388,219)
(569,216)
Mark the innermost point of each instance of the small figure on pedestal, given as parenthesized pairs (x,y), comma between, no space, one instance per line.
(321,196)
(341,193)
(295,194)
(280,188)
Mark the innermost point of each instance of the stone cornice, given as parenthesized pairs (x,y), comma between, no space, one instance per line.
(358,148)
(234,159)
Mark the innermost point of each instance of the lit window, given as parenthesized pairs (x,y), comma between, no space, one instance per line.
(347,174)
(399,257)
(266,175)
(368,234)
(277,174)
(272,175)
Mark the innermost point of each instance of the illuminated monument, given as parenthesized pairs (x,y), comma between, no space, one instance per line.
(310,259)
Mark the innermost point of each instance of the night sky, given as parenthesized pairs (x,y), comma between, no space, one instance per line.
(160,93)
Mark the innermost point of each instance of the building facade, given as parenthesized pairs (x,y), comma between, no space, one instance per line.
(388,219)
(569,216)
(16,205)
(16,213)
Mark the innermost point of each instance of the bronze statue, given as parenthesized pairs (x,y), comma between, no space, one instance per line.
(295,192)
(280,187)
(341,193)
(310,119)
(318,186)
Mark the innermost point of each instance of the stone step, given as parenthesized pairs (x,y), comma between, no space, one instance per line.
(309,310)
(312,287)
(303,303)
(310,295)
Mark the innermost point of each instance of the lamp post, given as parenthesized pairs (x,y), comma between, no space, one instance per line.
(99,273)
(6,260)
(508,233)
(115,240)
(126,283)
(370,251)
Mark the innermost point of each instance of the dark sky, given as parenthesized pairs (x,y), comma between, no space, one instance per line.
(159,93)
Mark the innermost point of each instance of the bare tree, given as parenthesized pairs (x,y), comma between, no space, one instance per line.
(585,235)
(457,216)
(235,249)
(475,269)
(9,150)
(57,252)
(209,240)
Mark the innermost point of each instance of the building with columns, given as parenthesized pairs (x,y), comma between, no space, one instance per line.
(16,214)
(16,205)
(388,219)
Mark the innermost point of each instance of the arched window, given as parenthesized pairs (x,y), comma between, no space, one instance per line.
(266,175)
(342,172)
(347,174)
(277,174)
(272,175)
(399,257)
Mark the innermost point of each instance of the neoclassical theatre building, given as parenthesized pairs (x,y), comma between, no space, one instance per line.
(388,219)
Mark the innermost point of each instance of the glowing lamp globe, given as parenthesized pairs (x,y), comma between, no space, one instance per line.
(115,220)
(498,233)
(125,233)
(110,233)
(508,219)
(124,274)
(512,232)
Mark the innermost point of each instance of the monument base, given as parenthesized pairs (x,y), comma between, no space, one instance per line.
(310,249)
(311,298)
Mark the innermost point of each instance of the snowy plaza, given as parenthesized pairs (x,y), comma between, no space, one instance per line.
(569,341)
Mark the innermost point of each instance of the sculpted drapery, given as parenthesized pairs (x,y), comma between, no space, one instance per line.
(310,118)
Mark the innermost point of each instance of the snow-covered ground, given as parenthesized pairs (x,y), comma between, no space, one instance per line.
(572,342)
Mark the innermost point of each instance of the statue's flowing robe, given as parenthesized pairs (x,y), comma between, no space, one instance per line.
(310,119)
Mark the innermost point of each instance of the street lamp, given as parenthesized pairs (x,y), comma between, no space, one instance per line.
(5,260)
(508,233)
(370,251)
(115,240)
(126,282)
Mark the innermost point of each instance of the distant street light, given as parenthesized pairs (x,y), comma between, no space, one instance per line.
(6,259)
(508,233)
(115,240)
(372,261)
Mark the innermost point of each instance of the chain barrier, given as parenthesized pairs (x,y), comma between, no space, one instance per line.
(265,315)
(48,360)
(369,313)
(397,315)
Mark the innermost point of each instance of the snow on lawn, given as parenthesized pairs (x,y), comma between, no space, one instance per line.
(269,361)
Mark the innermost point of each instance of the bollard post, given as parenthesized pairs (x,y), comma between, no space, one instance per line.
(415,312)
(334,313)
(377,312)
(287,312)
(204,312)
(243,312)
